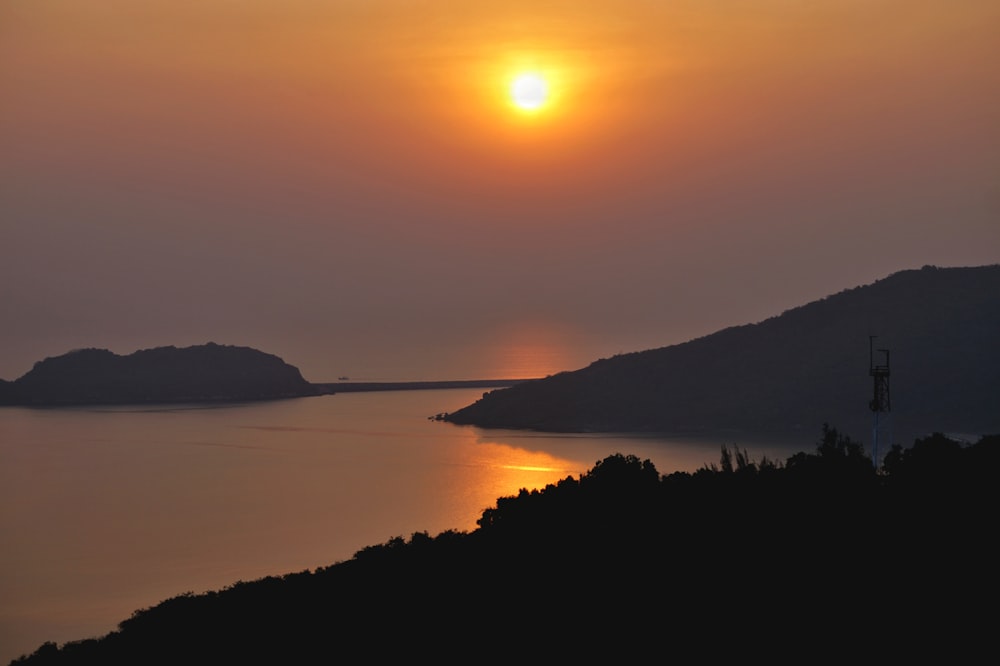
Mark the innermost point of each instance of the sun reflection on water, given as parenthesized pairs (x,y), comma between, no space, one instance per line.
(528,468)
(489,470)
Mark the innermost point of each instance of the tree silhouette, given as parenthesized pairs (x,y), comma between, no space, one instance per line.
(624,563)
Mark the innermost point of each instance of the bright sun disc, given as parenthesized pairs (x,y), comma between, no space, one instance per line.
(529,91)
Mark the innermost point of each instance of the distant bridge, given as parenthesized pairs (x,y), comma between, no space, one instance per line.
(354,387)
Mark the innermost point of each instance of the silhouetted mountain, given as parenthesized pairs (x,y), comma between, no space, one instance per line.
(809,365)
(202,373)
(821,558)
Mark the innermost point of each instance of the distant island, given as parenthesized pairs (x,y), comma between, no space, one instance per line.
(783,375)
(201,373)
(817,558)
(196,374)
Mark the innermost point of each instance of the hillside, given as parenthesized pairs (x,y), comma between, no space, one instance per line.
(818,558)
(790,372)
(201,373)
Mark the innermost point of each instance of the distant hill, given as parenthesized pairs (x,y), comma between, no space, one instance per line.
(209,372)
(793,372)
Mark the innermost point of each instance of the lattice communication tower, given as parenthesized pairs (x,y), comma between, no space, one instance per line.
(880,403)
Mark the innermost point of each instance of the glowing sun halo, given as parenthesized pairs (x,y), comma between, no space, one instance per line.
(529,91)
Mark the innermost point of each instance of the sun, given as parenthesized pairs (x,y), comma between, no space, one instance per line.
(529,91)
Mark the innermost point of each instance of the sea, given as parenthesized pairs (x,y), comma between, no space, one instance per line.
(108,510)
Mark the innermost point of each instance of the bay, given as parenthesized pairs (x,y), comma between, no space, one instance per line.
(107,510)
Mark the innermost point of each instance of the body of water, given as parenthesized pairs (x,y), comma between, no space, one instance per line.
(107,510)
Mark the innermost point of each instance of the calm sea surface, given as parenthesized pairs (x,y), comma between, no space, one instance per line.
(107,510)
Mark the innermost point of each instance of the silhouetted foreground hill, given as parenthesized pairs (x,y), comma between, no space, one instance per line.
(207,372)
(809,365)
(815,560)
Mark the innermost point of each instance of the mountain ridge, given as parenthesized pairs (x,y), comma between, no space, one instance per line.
(790,372)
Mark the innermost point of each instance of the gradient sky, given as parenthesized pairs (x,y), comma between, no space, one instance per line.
(345,184)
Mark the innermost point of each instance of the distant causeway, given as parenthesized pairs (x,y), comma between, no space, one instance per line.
(356,387)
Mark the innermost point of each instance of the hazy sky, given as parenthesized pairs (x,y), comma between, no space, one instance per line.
(345,183)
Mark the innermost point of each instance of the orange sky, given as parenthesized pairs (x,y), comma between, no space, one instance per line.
(312,177)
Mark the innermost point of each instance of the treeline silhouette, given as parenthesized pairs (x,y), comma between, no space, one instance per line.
(818,558)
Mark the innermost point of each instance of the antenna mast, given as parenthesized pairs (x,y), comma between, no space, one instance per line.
(880,402)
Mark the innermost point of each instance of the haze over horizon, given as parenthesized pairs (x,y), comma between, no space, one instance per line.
(348,186)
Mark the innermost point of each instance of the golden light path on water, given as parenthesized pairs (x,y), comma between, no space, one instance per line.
(525,468)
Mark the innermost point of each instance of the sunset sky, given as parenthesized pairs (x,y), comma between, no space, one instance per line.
(349,185)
